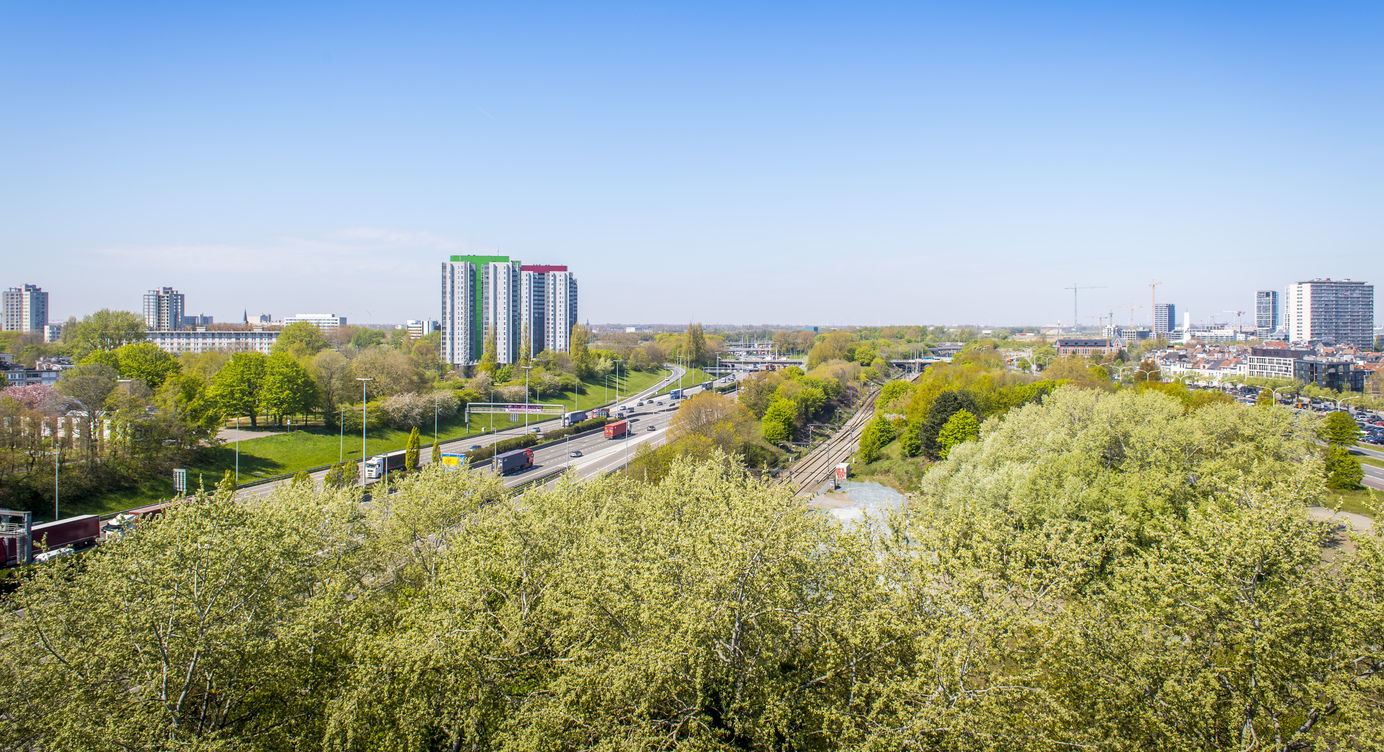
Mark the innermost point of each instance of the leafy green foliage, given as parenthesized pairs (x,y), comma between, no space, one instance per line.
(411,450)
(939,412)
(1098,571)
(1343,470)
(1339,429)
(236,388)
(779,420)
(878,432)
(286,388)
(104,330)
(961,427)
(301,339)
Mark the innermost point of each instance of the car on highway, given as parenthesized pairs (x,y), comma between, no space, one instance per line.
(651,429)
(574,453)
(474,447)
(640,403)
(634,420)
(536,429)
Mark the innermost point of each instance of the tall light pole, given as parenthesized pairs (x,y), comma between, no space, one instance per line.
(1345,399)
(617,381)
(434,418)
(526,396)
(341,437)
(237,451)
(57,452)
(363,419)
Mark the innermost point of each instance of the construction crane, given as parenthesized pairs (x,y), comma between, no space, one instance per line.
(1132,309)
(1076,290)
(1239,319)
(1153,308)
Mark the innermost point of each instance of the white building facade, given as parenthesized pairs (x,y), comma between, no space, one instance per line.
(163,309)
(327,322)
(1333,312)
(24,309)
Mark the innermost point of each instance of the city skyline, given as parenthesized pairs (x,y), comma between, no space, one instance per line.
(948,165)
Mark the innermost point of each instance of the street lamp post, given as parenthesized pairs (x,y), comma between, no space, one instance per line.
(237,451)
(1275,392)
(363,420)
(1346,399)
(617,381)
(341,437)
(57,453)
(526,396)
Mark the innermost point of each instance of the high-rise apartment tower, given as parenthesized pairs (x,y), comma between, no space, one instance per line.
(1332,312)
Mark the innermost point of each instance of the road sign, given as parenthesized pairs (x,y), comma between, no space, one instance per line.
(454,461)
(506,408)
(180,479)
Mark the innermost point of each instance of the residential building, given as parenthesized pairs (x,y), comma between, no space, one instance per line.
(46,372)
(548,307)
(1332,312)
(1306,366)
(327,322)
(52,333)
(515,305)
(1266,320)
(1164,319)
(163,309)
(464,315)
(196,320)
(418,329)
(25,309)
(202,340)
(1084,346)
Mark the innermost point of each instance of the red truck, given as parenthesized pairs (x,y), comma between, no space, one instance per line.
(77,532)
(617,429)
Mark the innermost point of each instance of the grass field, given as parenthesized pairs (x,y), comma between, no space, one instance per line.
(1366,501)
(316,446)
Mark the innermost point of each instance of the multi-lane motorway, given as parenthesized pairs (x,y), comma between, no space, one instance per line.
(599,455)
(1374,474)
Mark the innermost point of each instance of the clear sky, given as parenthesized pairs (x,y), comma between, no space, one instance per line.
(816,163)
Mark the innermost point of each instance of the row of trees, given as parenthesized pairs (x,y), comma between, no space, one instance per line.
(1098,571)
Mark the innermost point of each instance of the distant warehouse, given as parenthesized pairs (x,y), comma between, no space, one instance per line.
(179,341)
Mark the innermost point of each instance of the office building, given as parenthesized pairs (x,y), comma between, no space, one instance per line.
(1266,320)
(1332,312)
(1164,319)
(178,341)
(327,322)
(548,307)
(196,320)
(418,329)
(24,309)
(163,309)
(1084,346)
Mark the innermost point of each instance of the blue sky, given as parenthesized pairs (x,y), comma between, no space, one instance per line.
(817,163)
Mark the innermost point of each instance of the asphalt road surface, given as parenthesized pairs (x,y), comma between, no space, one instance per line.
(599,454)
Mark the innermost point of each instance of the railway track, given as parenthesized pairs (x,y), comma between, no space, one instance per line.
(817,465)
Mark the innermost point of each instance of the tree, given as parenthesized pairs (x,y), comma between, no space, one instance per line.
(833,345)
(947,404)
(363,338)
(89,383)
(331,373)
(147,362)
(411,450)
(723,422)
(876,435)
(301,479)
(911,440)
(489,360)
(301,339)
(436,453)
(1343,470)
(286,388)
(104,330)
(581,351)
(1264,399)
(1339,429)
(779,420)
(392,372)
(697,353)
(961,427)
(236,388)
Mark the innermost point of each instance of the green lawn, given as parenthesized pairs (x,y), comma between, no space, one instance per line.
(315,446)
(1369,460)
(1365,501)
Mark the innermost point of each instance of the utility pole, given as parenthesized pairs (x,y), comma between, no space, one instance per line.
(1076,289)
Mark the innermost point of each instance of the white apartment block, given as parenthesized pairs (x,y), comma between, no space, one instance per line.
(512,303)
(1334,312)
(560,314)
(179,341)
(327,322)
(501,306)
(163,309)
(24,309)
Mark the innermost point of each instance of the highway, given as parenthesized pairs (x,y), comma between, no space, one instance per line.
(1374,474)
(600,462)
